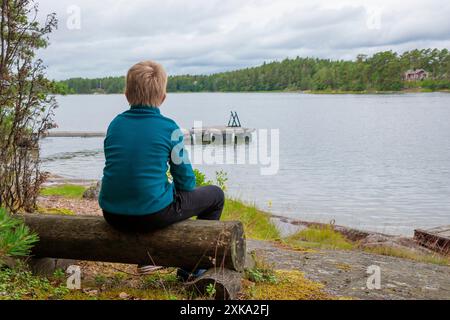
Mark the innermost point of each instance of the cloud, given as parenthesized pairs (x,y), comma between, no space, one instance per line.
(210,36)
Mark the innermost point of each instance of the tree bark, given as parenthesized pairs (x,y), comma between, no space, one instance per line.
(189,244)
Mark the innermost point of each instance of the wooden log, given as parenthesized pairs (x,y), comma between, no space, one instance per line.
(226,283)
(189,244)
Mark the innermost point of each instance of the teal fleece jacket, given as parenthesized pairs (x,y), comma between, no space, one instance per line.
(140,146)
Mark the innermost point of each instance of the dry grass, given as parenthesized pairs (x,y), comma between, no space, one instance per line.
(410,254)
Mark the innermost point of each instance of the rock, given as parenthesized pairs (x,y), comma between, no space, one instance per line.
(93,192)
(394,242)
(377,240)
(250,262)
(413,280)
(90,292)
(47,266)
(8,262)
(124,295)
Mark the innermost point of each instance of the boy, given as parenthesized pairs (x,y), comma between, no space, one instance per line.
(136,195)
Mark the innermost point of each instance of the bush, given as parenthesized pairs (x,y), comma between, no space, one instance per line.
(26,108)
(16,239)
(221,179)
(200,179)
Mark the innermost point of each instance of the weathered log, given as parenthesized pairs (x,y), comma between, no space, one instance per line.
(226,283)
(189,244)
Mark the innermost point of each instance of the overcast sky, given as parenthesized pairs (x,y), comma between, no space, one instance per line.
(101,38)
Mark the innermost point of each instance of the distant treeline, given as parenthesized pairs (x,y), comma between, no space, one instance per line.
(383,71)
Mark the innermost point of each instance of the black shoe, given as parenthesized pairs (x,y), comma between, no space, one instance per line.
(185,276)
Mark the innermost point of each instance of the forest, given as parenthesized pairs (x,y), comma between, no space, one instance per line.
(383,71)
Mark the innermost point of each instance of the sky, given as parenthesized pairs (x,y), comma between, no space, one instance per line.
(105,38)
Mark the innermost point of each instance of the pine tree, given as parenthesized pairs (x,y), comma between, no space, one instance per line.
(16,240)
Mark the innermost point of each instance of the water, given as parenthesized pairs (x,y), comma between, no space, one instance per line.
(375,162)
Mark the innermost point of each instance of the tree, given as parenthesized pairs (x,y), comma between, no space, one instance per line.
(26,108)
(385,71)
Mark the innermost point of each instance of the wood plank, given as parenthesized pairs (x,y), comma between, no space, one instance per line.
(437,239)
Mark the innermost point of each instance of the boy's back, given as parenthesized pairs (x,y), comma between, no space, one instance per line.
(140,146)
(137,149)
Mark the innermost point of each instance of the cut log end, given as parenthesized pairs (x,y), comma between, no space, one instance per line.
(220,284)
(238,247)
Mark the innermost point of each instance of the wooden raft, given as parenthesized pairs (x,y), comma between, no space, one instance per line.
(437,239)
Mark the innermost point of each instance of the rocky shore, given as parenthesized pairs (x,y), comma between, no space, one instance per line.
(344,273)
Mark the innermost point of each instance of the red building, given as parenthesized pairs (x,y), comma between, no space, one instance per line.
(415,75)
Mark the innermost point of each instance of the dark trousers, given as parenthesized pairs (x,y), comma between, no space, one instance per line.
(205,202)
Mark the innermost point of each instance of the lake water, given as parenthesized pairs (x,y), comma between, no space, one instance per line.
(376,162)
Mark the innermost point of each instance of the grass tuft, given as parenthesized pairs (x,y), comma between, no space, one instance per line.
(261,271)
(65,190)
(320,237)
(257,224)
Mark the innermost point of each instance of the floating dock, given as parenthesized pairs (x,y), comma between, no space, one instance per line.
(204,135)
(218,135)
(74,134)
(233,133)
(436,239)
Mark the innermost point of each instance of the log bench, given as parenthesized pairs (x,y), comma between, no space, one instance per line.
(218,246)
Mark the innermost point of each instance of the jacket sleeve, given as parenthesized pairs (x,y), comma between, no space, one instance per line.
(180,165)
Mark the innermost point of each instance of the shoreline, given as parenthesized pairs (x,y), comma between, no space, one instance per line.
(307,92)
(285,225)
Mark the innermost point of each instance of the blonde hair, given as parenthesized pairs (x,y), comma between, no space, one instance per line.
(146,84)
